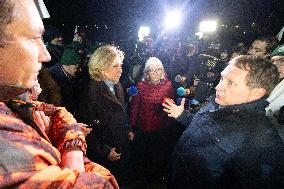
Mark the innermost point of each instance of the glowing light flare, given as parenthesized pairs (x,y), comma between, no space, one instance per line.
(200,35)
(208,26)
(173,19)
(143,32)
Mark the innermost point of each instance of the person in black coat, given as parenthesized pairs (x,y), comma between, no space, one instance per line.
(102,107)
(65,77)
(230,143)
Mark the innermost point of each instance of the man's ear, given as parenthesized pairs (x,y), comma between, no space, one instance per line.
(259,93)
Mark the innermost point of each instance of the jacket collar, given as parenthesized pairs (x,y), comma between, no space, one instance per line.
(255,106)
(10,92)
(104,90)
(25,111)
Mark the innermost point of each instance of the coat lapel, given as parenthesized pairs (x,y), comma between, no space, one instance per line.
(118,98)
(119,93)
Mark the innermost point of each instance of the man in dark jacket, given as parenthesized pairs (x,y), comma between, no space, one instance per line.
(230,143)
(54,45)
(67,78)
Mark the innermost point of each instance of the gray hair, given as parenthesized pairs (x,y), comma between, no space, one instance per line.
(152,62)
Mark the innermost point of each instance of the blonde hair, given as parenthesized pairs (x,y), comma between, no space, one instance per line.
(152,62)
(102,59)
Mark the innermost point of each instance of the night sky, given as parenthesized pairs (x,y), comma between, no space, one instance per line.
(123,17)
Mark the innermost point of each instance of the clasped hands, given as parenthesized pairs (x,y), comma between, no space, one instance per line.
(72,159)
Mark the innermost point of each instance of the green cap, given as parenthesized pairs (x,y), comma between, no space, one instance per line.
(70,57)
(279,51)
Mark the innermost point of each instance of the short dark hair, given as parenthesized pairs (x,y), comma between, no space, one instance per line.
(272,43)
(6,17)
(262,73)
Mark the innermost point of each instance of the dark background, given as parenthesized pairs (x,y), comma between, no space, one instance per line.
(118,20)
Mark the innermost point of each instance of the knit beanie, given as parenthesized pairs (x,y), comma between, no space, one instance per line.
(70,57)
(279,51)
(71,54)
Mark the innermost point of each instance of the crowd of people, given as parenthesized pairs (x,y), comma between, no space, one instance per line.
(93,116)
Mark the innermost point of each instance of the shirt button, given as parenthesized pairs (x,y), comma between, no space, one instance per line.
(217,139)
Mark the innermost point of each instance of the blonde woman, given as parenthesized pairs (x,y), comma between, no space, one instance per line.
(102,107)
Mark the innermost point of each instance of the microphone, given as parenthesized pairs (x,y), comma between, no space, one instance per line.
(181,91)
(178,79)
(194,102)
(132,91)
(187,102)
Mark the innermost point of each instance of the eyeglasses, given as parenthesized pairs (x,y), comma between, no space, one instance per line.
(155,70)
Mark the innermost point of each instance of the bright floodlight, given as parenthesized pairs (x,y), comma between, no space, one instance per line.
(208,26)
(144,31)
(199,34)
(173,19)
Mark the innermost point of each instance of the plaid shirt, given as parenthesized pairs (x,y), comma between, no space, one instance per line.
(30,157)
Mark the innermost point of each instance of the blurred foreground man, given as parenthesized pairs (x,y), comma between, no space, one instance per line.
(230,143)
(41,146)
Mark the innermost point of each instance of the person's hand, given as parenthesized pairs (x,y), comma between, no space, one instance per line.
(113,155)
(183,79)
(196,81)
(73,159)
(224,55)
(187,91)
(210,74)
(41,120)
(172,109)
(192,89)
(131,136)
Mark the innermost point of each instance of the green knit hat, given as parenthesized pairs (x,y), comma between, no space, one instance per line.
(279,51)
(71,55)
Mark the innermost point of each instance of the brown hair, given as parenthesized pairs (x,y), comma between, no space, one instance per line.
(262,73)
(6,17)
(271,43)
